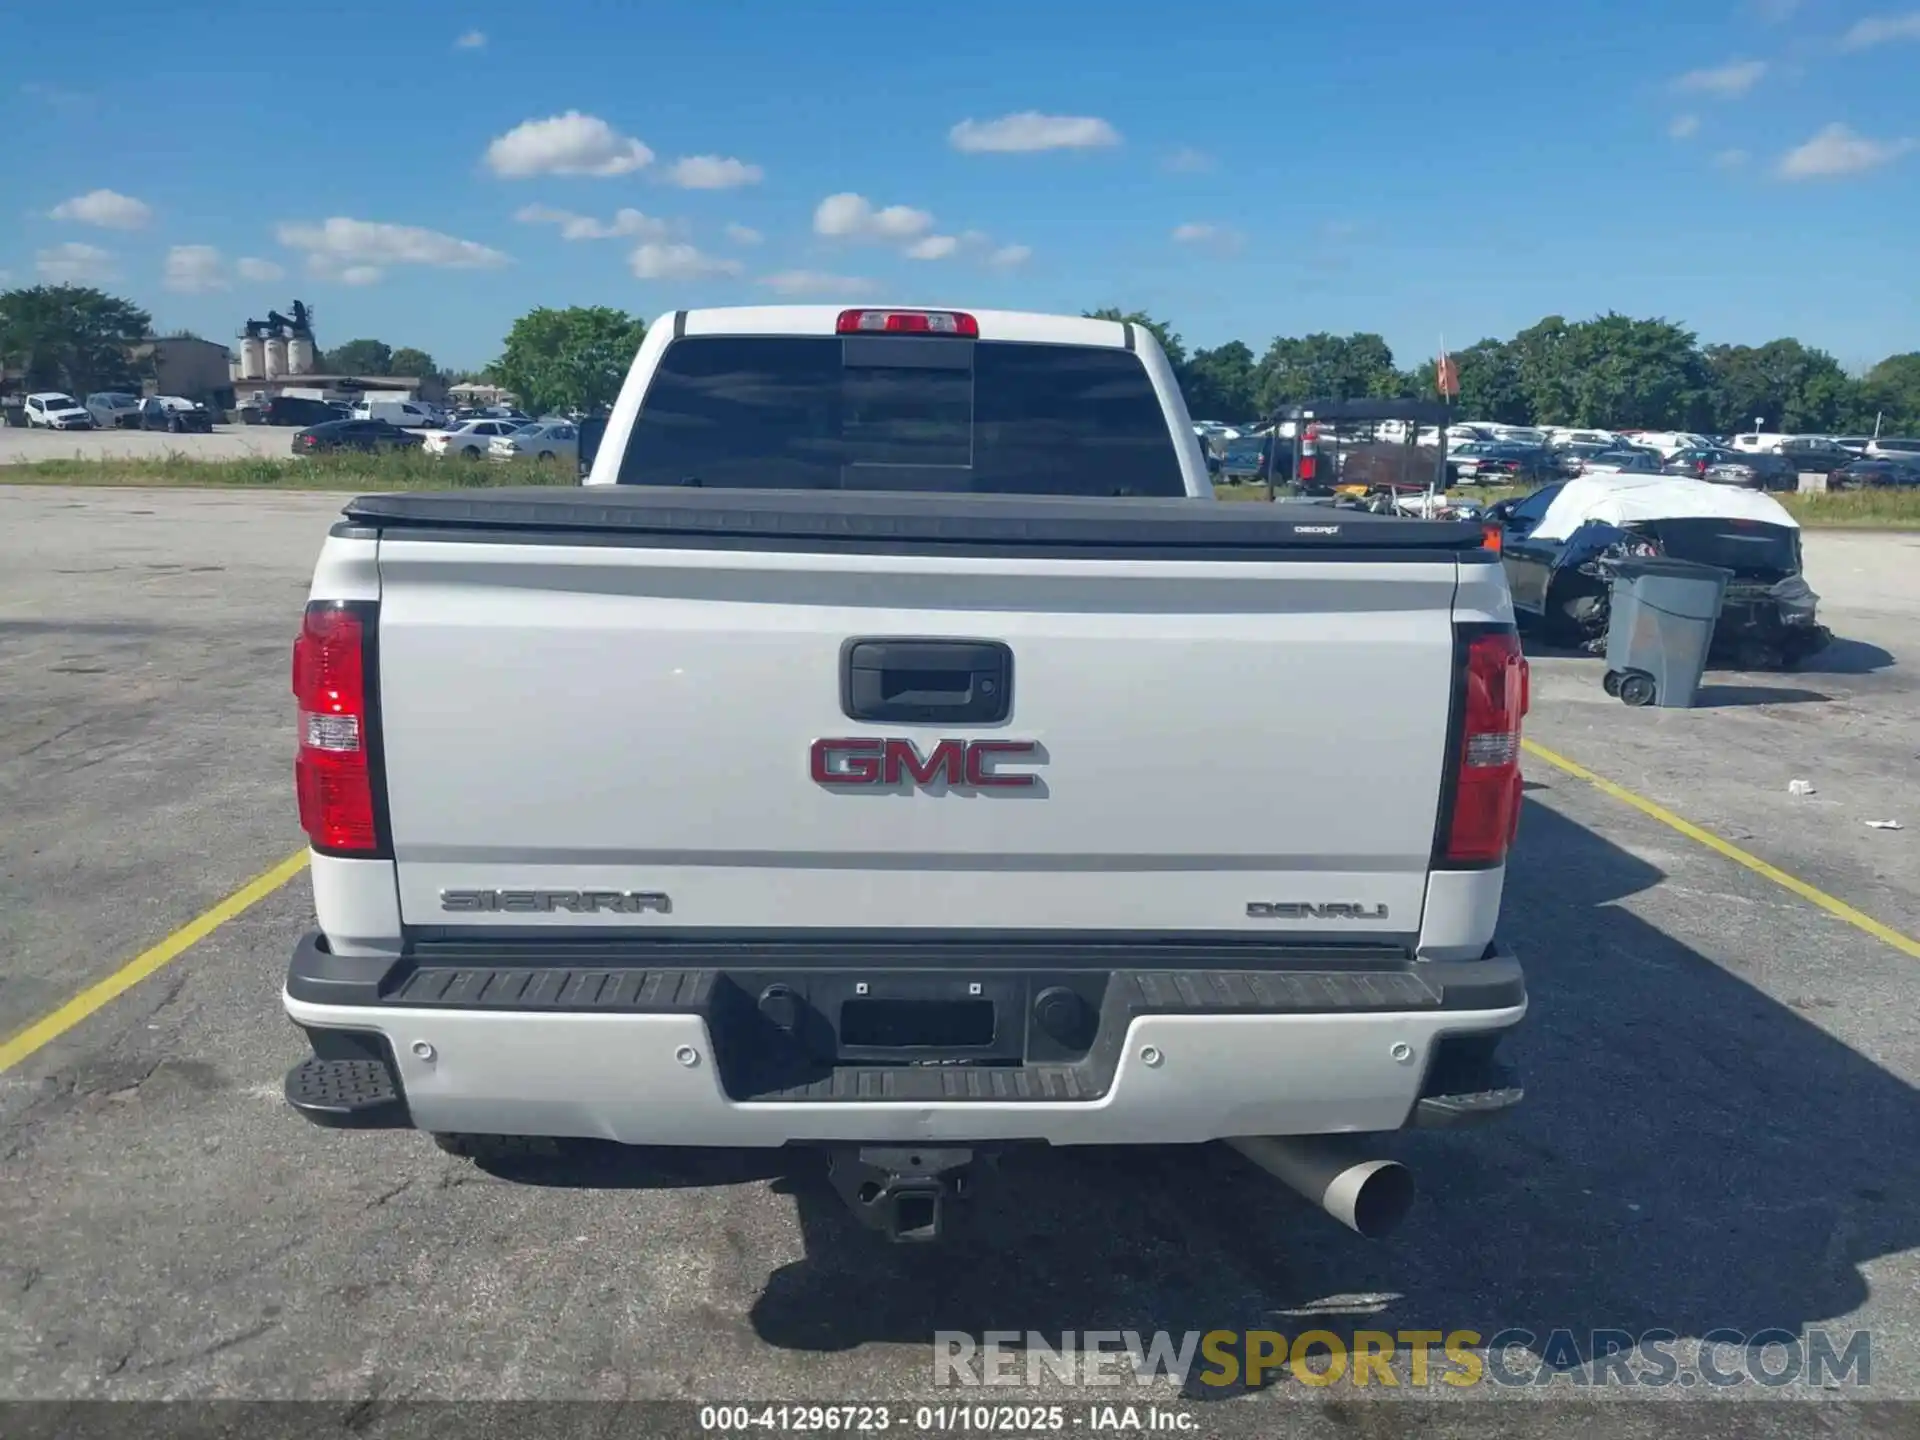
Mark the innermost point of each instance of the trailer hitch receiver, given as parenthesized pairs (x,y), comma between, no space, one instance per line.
(908,1193)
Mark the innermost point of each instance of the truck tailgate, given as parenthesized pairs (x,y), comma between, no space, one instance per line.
(1209,737)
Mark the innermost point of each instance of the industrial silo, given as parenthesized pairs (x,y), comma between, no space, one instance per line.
(300,355)
(276,357)
(253,357)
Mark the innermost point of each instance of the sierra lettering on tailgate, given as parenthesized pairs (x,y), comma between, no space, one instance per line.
(872,762)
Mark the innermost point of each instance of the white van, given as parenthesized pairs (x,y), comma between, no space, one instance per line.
(407,414)
(1760,443)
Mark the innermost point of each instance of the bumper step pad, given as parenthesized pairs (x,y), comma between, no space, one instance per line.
(348,1094)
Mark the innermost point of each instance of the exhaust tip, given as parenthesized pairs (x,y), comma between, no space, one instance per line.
(1380,1197)
(1369,1196)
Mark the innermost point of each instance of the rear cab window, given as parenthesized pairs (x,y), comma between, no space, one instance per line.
(897,412)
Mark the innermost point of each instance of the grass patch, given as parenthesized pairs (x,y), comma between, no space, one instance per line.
(398,470)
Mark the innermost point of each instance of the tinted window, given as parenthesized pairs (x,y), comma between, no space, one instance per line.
(902,413)
(1534,507)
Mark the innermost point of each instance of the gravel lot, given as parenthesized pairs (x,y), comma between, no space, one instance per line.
(1721,1128)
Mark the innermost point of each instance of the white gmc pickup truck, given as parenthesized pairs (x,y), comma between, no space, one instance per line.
(893,748)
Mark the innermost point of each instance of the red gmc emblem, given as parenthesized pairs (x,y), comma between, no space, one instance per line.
(875,763)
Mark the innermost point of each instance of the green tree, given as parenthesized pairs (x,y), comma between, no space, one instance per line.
(1170,341)
(1222,383)
(71,337)
(1890,393)
(409,361)
(1490,387)
(1789,386)
(1540,369)
(568,359)
(1326,367)
(361,357)
(1618,371)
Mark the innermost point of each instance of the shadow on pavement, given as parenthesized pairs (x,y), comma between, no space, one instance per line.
(1692,1155)
(1722,697)
(1846,657)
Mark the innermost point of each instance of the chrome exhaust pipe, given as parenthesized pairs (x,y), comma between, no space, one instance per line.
(1368,1195)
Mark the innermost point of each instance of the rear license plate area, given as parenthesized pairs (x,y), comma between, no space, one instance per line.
(917,1024)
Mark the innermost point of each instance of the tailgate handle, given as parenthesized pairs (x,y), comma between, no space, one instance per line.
(935,682)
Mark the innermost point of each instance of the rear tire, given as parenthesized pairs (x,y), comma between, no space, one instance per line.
(1610,682)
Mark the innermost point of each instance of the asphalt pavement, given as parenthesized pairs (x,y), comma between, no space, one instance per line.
(1720,1133)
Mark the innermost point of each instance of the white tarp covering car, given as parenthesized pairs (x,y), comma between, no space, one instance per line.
(1631,499)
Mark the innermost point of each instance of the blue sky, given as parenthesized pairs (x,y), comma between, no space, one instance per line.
(1750,168)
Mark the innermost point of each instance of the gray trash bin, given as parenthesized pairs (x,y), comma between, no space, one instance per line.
(1659,629)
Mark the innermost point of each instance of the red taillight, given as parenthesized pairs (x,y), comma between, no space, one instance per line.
(1491,536)
(908,322)
(1486,796)
(333,774)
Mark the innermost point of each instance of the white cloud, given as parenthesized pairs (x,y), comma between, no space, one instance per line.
(625,222)
(74,264)
(1879,29)
(1836,150)
(853,217)
(358,252)
(1684,127)
(194,270)
(1188,161)
(816,282)
(569,144)
(933,247)
(108,209)
(1010,257)
(1222,238)
(472,40)
(712,172)
(743,234)
(1731,159)
(199,269)
(655,261)
(1726,82)
(1030,130)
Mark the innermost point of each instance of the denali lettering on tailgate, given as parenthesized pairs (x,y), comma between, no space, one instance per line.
(1303,910)
(545,902)
(873,762)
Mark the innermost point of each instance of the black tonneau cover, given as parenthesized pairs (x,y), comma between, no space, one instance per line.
(896,521)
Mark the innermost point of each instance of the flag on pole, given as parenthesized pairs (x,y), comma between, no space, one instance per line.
(1446,375)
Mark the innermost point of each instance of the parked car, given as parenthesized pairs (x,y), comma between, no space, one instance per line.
(114,409)
(1621,460)
(1556,545)
(369,435)
(1505,463)
(175,414)
(1893,447)
(55,410)
(1816,453)
(557,442)
(469,440)
(298,410)
(1874,474)
(1755,469)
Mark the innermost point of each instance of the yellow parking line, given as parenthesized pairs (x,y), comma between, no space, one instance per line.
(1905,944)
(49,1028)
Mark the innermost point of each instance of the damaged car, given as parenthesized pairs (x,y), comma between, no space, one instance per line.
(1561,544)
